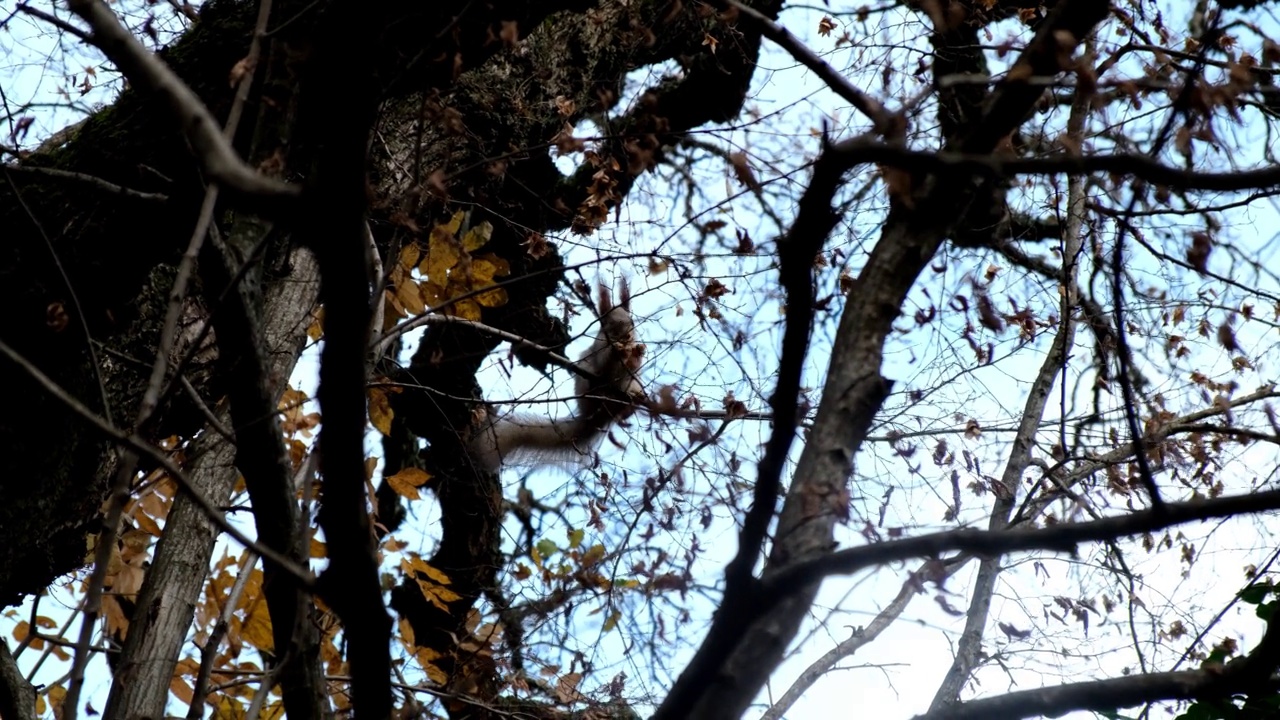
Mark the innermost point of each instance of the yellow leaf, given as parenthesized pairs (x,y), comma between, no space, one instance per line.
(436,593)
(57,695)
(426,658)
(256,629)
(41,706)
(492,298)
(416,563)
(593,555)
(433,294)
(147,525)
(117,623)
(228,709)
(477,236)
(393,308)
(409,255)
(501,268)
(467,310)
(406,633)
(482,271)
(407,481)
(443,255)
(454,223)
(21,631)
(317,549)
(316,328)
(181,689)
(410,296)
(611,622)
(380,413)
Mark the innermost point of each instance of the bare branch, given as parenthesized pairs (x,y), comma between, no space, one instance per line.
(1060,538)
(882,121)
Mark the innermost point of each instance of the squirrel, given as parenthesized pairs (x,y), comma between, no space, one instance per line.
(610,395)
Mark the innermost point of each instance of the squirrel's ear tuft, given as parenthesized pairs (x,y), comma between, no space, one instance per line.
(606,299)
(624,295)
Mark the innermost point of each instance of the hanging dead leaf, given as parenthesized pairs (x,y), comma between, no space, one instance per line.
(567,688)
(407,481)
(380,412)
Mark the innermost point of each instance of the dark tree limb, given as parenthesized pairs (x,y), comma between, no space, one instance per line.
(17,696)
(142,68)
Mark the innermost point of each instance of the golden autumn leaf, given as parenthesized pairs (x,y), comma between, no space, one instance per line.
(147,525)
(228,709)
(409,256)
(454,223)
(492,298)
(477,236)
(407,481)
(433,585)
(117,622)
(316,328)
(317,549)
(415,563)
(467,310)
(57,695)
(410,297)
(443,255)
(156,505)
(434,294)
(392,307)
(256,629)
(593,555)
(611,622)
(567,688)
(406,633)
(380,413)
(181,689)
(482,271)
(426,658)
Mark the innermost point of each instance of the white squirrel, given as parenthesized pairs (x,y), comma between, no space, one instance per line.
(608,397)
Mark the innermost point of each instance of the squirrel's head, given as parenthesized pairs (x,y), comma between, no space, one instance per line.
(616,322)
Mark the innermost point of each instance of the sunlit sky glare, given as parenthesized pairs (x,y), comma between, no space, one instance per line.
(895,676)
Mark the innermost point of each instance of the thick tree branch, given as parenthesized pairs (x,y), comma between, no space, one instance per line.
(17,696)
(144,69)
(863,150)
(1061,538)
(1252,673)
